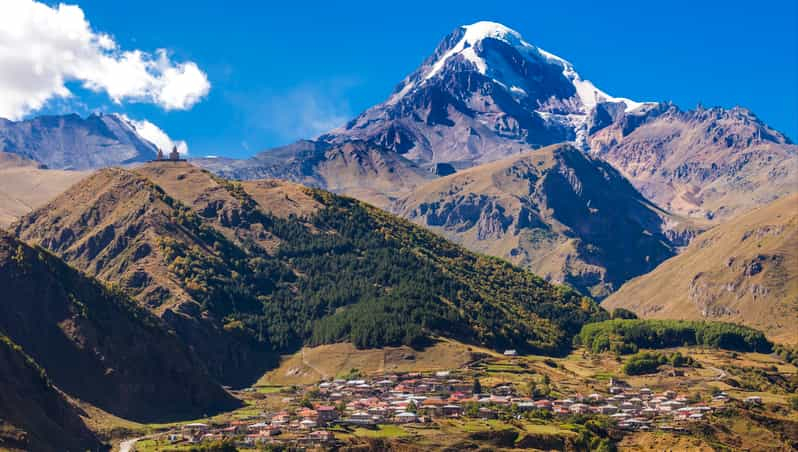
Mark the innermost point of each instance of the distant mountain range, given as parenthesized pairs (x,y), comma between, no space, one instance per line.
(705,163)
(356,168)
(76,143)
(486,95)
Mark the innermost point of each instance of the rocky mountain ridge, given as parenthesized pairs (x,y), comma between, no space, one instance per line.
(569,218)
(76,143)
(485,94)
(706,163)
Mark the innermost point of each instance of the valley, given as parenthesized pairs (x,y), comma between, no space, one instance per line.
(571,403)
(188,235)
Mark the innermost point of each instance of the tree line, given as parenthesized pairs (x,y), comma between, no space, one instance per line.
(625,336)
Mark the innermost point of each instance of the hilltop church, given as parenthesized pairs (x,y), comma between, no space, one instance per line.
(174,156)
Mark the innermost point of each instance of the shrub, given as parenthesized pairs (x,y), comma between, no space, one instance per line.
(625,336)
(621,313)
(649,362)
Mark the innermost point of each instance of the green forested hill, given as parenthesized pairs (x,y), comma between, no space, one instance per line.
(275,265)
(373,279)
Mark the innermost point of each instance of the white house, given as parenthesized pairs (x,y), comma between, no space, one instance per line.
(406,417)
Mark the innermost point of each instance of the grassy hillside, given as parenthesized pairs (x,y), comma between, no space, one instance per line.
(280,265)
(743,271)
(120,227)
(96,344)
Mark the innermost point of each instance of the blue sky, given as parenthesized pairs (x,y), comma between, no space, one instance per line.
(285,70)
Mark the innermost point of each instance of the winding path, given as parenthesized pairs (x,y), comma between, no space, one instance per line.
(128,444)
(721,373)
(310,366)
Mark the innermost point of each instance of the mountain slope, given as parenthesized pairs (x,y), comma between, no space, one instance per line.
(117,225)
(742,271)
(95,344)
(283,265)
(365,170)
(34,415)
(72,142)
(25,186)
(556,211)
(706,163)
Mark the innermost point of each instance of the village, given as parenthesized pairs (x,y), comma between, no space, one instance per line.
(317,414)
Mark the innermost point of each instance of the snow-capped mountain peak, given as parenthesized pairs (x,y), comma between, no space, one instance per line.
(483,94)
(505,71)
(473,34)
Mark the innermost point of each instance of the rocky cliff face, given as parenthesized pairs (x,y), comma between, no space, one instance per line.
(565,216)
(705,163)
(96,344)
(72,142)
(741,271)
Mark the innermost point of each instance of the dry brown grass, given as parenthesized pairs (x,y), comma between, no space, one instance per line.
(664,442)
(516,209)
(25,187)
(281,198)
(711,279)
(312,364)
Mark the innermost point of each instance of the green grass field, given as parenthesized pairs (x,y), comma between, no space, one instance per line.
(382,431)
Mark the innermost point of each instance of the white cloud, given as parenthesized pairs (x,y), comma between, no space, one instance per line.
(42,48)
(156,136)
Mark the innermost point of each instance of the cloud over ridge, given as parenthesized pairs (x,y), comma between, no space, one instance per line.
(156,135)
